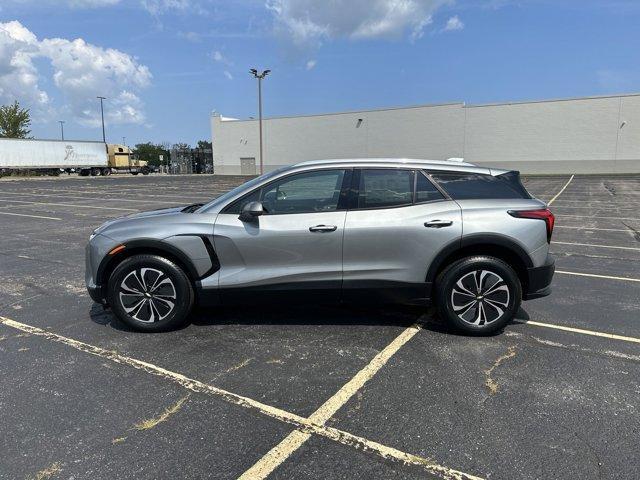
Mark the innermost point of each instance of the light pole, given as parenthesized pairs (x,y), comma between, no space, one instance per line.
(260,77)
(104,138)
(61,122)
(124,141)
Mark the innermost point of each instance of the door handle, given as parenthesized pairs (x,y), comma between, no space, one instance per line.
(323,228)
(438,223)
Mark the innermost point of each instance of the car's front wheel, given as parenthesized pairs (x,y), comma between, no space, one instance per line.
(478,295)
(150,293)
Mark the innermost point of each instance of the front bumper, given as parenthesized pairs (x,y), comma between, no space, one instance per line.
(96,294)
(539,280)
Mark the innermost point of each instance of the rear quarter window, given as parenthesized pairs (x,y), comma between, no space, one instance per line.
(473,186)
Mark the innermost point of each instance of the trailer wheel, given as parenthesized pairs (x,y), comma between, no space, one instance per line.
(106,172)
(145,170)
(134,173)
(95,171)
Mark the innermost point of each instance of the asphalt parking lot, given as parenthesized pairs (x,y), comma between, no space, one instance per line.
(322,392)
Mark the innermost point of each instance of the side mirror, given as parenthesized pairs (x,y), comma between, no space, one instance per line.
(251,211)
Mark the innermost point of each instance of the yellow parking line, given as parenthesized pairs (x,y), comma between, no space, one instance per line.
(305,425)
(562,190)
(278,454)
(582,331)
(593,275)
(31,216)
(595,245)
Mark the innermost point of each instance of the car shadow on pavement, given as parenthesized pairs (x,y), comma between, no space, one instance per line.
(312,314)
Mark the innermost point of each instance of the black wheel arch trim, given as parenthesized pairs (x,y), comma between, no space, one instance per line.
(158,245)
(472,240)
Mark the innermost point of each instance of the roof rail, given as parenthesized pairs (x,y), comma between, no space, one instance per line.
(456,159)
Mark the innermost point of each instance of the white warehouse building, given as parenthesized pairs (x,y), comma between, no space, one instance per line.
(581,135)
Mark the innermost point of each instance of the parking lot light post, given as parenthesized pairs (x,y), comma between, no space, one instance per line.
(61,122)
(260,77)
(104,138)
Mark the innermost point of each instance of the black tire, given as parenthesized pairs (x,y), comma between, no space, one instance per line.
(106,172)
(145,170)
(134,173)
(95,171)
(150,312)
(466,315)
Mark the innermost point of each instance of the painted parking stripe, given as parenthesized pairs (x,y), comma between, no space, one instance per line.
(582,331)
(304,424)
(593,275)
(68,205)
(292,442)
(598,229)
(561,190)
(595,245)
(30,216)
(561,215)
(76,197)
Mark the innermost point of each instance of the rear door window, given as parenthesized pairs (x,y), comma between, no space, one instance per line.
(383,188)
(425,190)
(472,186)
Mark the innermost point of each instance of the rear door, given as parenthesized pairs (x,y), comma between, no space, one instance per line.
(397,222)
(296,244)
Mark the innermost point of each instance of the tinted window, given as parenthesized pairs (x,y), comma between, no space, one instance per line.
(385,188)
(425,190)
(302,193)
(466,186)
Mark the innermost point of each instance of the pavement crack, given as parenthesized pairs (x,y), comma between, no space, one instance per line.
(48,472)
(150,423)
(235,368)
(634,231)
(490,383)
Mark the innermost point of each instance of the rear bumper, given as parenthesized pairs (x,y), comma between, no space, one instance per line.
(539,280)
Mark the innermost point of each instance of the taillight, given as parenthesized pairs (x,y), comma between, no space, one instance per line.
(538,214)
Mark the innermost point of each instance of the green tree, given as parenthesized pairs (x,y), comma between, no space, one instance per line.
(14,121)
(204,145)
(151,153)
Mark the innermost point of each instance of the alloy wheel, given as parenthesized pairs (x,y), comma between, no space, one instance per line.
(147,295)
(480,297)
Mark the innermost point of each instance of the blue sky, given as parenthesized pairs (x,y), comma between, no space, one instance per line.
(167,64)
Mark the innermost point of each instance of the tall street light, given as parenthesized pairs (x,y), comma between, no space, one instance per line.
(104,138)
(61,122)
(260,77)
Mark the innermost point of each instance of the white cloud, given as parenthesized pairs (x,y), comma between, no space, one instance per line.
(227,74)
(81,71)
(454,23)
(311,64)
(219,57)
(310,22)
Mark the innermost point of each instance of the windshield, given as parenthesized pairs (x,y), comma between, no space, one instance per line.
(225,197)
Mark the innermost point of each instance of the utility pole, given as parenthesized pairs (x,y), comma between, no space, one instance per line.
(260,77)
(61,122)
(124,142)
(104,138)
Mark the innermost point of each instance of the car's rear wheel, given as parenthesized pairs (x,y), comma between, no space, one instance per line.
(478,295)
(150,293)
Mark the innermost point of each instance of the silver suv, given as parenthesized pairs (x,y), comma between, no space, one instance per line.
(470,239)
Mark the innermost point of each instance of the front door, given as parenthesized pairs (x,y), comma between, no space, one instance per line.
(296,244)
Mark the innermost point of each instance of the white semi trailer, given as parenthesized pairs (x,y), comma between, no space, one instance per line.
(51,157)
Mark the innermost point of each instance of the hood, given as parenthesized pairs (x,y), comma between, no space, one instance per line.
(139,215)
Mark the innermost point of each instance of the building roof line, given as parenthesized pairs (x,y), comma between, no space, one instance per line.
(410,107)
